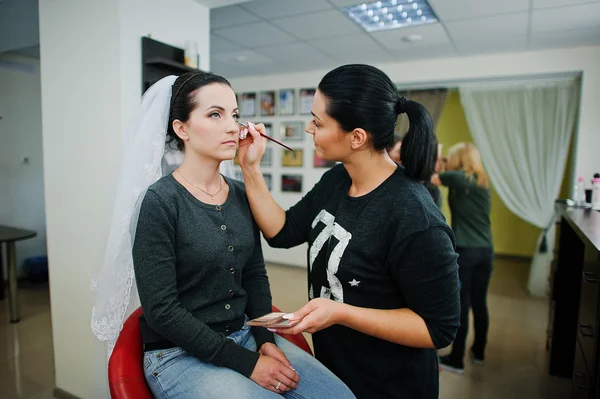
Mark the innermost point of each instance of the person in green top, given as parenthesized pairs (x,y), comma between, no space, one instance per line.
(394,153)
(470,206)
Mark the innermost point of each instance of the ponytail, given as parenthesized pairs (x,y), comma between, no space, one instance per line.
(419,144)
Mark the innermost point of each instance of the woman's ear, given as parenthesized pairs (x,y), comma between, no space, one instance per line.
(359,138)
(180,130)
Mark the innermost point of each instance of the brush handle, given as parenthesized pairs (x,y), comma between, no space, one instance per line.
(268,137)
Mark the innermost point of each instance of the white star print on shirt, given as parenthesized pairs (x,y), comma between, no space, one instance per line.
(354,283)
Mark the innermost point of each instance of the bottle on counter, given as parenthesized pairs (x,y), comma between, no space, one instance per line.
(596,192)
(580,192)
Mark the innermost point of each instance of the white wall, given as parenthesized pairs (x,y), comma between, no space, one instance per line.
(583,59)
(172,22)
(22,184)
(91,84)
(79,52)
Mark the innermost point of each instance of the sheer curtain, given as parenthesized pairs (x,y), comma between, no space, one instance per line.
(523,132)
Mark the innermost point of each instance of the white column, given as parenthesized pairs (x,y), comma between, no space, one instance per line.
(91,80)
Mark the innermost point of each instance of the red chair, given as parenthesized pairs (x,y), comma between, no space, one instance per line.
(125,369)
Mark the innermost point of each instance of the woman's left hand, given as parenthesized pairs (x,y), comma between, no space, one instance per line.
(316,315)
(270,349)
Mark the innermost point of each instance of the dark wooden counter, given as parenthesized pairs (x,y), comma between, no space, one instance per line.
(585,222)
(574,284)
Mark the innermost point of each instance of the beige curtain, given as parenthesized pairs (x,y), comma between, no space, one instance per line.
(432,99)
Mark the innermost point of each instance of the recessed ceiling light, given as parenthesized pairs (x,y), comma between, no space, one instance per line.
(391,14)
(412,38)
(241,58)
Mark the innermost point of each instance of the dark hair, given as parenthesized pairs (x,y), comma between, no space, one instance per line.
(362,96)
(183,99)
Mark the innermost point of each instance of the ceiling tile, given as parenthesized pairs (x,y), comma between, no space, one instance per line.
(255,35)
(489,27)
(574,17)
(448,10)
(537,4)
(348,49)
(230,16)
(317,25)
(565,38)
(421,52)
(220,45)
(486,45)
(368,58)
(269,9)
(345,3)
(299,54)
(252,58)
(393,39)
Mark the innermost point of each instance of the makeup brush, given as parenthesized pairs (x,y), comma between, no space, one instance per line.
(268,138)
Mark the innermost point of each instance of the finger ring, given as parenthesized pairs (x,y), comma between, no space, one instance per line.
(278,384)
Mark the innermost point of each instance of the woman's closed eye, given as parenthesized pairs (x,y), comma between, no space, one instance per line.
(314,122)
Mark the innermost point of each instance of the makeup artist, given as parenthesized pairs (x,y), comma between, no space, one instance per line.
(382,271)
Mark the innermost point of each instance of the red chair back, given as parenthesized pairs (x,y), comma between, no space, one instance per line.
(126,369)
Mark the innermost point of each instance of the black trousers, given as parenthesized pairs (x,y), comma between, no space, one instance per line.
(474,270)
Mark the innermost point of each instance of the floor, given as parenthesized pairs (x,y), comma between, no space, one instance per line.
(515,360)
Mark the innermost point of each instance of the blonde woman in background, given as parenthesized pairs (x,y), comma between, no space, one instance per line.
(470,205)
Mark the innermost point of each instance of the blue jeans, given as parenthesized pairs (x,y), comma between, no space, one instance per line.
(175,374)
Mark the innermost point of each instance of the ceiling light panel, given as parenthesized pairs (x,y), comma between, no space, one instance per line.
(391,14)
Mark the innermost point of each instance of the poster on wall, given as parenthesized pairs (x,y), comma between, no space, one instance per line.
(286,102)
(267,103)
(292,131)
(267,158)
(292,159)
(268,180)
(291,183)
(321,163)
(248,107)
(306,100)
(268,130)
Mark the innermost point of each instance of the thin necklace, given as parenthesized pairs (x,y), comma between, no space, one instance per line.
(212,196)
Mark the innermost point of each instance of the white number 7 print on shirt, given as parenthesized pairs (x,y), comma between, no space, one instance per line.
(331,229)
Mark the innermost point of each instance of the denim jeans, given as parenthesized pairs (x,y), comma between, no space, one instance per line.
(474,269)
(175,374)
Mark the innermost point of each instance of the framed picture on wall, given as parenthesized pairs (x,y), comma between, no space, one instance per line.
(268,130)
(287,104)
(267,158)
(291,183)
(267,103)
(268,180)
(292,159)
(292,131)
(321,163)
(248,106)
(306,100)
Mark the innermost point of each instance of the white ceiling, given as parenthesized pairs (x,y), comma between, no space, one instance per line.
(218,3)
(279,36)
